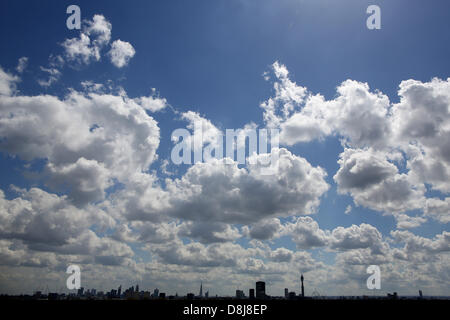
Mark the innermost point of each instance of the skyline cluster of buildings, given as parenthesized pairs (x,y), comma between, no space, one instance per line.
(133,293)
(260,292)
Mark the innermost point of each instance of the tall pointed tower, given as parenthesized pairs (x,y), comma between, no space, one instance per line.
(201,289)
(303,289)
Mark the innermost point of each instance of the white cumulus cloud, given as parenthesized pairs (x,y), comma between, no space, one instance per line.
(121,52)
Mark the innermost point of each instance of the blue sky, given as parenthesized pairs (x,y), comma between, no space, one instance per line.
(210,57)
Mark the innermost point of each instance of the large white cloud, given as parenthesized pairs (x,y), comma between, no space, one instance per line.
(87,139)
(45,222)
(421,123)
(40,217)
(392,151)
(221,191)
(375,182)
(356,113)
(357,237)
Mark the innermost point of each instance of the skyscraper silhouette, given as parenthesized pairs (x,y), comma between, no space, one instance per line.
(260,290)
